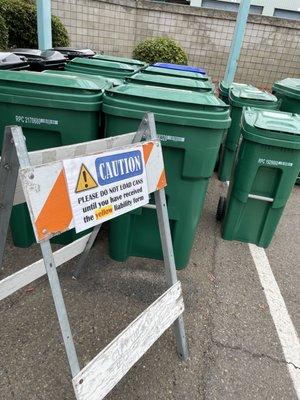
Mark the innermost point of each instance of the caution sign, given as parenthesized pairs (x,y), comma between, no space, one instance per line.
(102,187)
(85,180)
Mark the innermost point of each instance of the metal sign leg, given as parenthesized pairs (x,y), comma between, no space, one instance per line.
(24,161)
(60,307)
(9,168)
(167,247)
(143,131)
(171,274)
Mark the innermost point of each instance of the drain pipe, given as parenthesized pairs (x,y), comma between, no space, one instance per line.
(237,42)
(44,24)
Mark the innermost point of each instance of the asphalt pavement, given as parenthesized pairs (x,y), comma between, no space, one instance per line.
(235,352)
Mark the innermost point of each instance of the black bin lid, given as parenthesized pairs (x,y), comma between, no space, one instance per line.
(12,61)
(72,52)
(41,59)
(35,54)
(29,53)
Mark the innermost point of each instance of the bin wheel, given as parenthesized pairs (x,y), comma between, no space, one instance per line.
(221,208)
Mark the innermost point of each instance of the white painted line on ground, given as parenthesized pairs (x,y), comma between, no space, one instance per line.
(285,329)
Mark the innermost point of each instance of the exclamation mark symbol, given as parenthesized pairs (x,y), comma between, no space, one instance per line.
(85,179)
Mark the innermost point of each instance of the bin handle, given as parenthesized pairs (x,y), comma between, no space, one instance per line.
(151,206)
(263,198)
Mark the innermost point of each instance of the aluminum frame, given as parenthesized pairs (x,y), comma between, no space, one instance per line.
(15,156)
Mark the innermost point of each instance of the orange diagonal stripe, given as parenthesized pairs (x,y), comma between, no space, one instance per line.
(162,182)
(56,214)
(147,148)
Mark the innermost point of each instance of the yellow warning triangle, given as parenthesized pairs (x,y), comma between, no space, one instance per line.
(85,180)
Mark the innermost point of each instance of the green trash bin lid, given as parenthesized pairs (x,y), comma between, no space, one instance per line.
(54,91)
(101,67)
(98,79)
(224,88)
(289,87)
(125,60)
(251,96)
(181,107)
(171,82)
(275,128)
(174,72)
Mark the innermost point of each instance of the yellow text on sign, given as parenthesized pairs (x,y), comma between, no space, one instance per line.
(104,212)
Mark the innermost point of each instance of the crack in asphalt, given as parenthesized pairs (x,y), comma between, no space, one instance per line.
(210,358)
(252,354)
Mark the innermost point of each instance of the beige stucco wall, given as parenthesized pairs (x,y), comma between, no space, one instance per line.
(271,47)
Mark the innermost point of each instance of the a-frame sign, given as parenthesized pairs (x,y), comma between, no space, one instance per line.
(101,374)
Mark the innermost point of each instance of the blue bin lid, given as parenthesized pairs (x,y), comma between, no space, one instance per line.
(181,67)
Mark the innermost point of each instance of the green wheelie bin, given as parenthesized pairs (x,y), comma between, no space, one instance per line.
(124,60)
(173,82)
(174,72)
(111,82)
(288,92)
(268,163)
(224,89)
(191,127)
(93,66)
(96,78)
(240,97)
(224,95)
(53,110)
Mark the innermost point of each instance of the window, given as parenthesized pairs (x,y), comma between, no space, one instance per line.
(289,14)
(229,6)
(182,2)
(256,9)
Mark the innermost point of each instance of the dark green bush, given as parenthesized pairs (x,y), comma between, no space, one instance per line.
(20,19)
(3,34)
(160,49)
(60,37)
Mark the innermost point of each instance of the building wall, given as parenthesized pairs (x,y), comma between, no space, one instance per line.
(271,48)
(269,5)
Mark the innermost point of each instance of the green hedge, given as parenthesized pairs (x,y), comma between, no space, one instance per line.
(160,49)
(60,37)
(20,19)
(3,34)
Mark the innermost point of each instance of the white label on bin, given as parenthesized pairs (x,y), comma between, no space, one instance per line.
(165,138)
(275,163)
(35,121)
